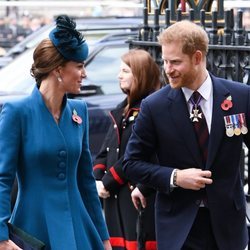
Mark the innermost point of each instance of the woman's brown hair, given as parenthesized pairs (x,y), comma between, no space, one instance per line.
(146,75)
(46,58)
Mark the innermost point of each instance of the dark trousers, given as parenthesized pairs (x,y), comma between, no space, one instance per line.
(201,236)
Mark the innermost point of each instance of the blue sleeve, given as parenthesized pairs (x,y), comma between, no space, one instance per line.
(10,137)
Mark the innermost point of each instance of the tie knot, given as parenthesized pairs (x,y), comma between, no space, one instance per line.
(196,97)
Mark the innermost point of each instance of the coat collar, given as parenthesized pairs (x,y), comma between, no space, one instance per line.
(36,97)
(118,111)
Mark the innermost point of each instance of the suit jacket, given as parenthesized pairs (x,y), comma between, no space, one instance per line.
(163,126)
(57,200)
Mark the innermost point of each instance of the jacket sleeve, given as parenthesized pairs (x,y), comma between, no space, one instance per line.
(142,144)
(100,162)
(114,177)
(10,138)
(86,183)
(145,190)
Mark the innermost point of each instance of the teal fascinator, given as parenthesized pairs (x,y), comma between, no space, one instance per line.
(68,41)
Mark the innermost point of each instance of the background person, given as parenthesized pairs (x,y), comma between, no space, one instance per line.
(200,201)
(47,147)
(139,76)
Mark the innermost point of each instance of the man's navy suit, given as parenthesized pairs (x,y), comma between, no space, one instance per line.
(164,127)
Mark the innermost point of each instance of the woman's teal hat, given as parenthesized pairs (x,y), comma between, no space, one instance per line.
(68,41)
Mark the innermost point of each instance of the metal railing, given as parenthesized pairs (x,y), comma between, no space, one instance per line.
(229,47)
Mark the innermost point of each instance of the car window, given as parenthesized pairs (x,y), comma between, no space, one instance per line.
(104,68)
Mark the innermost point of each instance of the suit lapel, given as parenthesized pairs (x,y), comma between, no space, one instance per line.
(180,116)
(220,93)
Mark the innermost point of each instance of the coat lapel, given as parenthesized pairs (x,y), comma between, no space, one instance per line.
(220,93)
(180,116)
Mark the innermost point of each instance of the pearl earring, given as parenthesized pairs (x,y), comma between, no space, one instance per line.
(59,79)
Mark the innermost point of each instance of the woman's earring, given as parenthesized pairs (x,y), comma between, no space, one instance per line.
(59,79)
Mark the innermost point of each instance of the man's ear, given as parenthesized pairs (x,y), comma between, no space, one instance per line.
(197,57)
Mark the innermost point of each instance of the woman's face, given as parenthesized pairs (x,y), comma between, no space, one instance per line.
(125,77)
(72,74)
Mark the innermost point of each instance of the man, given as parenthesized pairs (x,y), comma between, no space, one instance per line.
(200,201)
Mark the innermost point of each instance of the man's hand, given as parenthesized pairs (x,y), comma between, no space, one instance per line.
(193,178)
(138,198)
(107,245)
(102,192)
(8,245)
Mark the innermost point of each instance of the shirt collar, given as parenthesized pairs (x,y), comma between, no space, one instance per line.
(205,89)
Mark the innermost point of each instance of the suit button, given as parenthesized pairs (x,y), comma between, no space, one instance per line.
(107,149)
(62,165)
(62,153)
(61,176)
(198,202)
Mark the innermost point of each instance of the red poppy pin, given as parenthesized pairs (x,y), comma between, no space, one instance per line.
(227,103)
(76,118)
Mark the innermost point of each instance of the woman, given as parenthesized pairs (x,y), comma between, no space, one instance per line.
(139,76)
(47,147)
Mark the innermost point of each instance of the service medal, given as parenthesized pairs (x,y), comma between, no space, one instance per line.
(236,124)
(195,115)
(230,132)
(242,120)
(244,130)
(229,126)
(237,131)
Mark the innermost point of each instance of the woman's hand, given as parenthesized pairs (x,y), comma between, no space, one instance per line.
(102,192)
(107,245)
(8,245)
(138,198)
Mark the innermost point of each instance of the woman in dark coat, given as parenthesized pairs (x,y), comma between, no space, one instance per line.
(139,76)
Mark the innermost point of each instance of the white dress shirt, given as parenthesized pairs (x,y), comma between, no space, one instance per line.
(206,104)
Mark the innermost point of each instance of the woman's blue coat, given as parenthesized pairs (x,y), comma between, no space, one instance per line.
(57,200)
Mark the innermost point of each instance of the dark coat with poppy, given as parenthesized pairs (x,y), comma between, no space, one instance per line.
(164,127)
(120,214)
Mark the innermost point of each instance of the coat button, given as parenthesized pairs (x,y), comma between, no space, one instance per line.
(115,126)
(61,176)
(115,196)
(107,149)
(131,187)
(62,153)
(117,150)
(198,202)
(62,165)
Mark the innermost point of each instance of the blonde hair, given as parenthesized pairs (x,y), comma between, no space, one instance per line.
(192,36)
